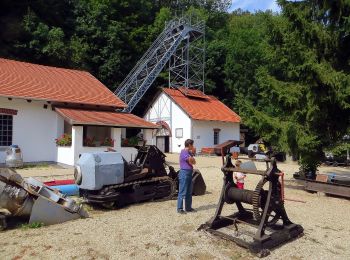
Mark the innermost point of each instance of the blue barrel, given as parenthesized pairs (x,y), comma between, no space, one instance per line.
(69,190)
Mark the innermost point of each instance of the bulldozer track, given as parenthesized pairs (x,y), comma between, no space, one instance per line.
(151,180)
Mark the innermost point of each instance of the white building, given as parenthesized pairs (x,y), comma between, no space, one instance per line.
(38,104)
(190,114)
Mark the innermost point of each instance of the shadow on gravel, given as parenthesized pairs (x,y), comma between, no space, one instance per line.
(206,207)
(15,223)
(294,187)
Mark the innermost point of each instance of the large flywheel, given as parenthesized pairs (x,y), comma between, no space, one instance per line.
(259,202)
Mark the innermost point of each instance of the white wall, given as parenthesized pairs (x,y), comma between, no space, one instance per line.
(164,109)
(65,155)
(179,120)
(160,109)
(70,155)
(203,133)
(148,136)
(34,129)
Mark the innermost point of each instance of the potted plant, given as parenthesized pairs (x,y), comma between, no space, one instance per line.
(64,140)
(108,142)
(89,141)
(130,142)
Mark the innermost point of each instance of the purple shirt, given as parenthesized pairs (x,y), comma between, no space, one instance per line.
(184,155)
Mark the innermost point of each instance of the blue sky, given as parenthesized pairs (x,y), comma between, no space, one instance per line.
(254,5)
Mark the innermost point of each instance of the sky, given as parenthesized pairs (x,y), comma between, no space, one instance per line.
(254,5)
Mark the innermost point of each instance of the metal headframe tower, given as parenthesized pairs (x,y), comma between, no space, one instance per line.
(187,65)
(182,45)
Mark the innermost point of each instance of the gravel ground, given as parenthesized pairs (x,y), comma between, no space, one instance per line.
(154,230)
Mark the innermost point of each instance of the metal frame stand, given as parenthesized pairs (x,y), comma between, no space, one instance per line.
(268,217)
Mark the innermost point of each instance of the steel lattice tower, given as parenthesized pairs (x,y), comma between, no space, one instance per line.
(187,65)
(181,44)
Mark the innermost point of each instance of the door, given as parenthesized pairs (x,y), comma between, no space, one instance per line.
(160,142)
(166,144)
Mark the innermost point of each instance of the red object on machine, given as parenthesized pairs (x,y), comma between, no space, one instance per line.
(59,182)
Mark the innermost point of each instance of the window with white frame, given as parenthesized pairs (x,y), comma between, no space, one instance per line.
(179,132)
(6,129)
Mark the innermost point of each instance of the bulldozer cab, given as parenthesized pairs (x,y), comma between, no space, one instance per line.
(149,161)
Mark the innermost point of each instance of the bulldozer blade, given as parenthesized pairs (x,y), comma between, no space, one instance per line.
(48,212)
(198,183)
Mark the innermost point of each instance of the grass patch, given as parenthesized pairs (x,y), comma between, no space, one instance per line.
(32,225)
(35,166)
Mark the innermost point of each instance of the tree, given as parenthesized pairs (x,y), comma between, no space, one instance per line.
(304,84)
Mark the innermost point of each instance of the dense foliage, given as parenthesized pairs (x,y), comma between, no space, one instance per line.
(286,74)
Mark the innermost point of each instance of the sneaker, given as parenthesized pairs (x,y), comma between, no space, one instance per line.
(191,210)
(181,211)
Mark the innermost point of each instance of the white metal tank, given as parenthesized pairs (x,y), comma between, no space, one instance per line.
(95,170)
(14,157)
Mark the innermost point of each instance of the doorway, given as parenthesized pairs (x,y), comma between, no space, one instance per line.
(162,143)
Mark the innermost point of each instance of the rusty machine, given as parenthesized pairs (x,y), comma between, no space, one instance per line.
(262,227)
(31,199)
(108,180)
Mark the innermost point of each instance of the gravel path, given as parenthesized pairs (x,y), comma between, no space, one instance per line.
(154,230)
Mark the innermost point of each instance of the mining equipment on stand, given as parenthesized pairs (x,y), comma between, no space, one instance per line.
(333,182)
(31,199)
(108,180)
(266,224)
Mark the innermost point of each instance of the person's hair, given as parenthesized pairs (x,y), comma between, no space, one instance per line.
(188,142)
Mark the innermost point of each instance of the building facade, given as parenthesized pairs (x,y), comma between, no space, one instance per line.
(192,115)
(56,114)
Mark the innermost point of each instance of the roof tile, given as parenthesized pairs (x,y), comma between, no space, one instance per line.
(108,118)
(207,109)
(38,82)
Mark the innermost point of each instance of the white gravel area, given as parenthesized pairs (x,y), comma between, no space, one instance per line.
(154,230)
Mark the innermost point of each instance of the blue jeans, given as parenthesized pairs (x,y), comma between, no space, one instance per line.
(185,190)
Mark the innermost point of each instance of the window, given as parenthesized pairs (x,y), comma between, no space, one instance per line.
(6,124)
(216,136)
(178,132)
(97,136)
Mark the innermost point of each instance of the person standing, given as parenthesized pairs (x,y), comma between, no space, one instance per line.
(184,200)
(239,176)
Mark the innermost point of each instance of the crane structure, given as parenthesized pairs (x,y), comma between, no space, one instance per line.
(181,45)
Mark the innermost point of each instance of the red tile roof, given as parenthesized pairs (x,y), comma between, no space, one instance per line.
(193,93)
(207,109)
(38,82)
(107,118)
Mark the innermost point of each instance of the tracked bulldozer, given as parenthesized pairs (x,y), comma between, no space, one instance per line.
(108,180)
